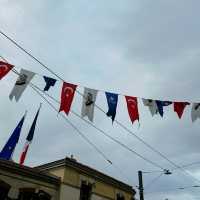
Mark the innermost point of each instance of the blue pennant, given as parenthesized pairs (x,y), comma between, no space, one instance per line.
(112,100)
(160,105)
(49,82)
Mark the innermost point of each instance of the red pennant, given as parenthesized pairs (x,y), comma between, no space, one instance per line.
(4,68)
(132,106)
(67,96)
(179,108)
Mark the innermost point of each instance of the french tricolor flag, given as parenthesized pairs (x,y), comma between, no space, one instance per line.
(29,139)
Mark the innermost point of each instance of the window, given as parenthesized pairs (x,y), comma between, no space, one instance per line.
(120,197)
(4,189)
(85,191)
(27,194)
(43,195)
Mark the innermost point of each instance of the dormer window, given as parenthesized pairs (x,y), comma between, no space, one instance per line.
(120,197)
(85,191)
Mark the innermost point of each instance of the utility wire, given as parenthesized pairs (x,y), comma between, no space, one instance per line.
(80,133)
(153,181)
(119,123)
(173,189)
(151,172)
(105,134)
(35,88)
(188,165)
(69,122)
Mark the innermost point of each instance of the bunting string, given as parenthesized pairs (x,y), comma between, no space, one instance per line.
(155,106)
(177,167)
(38,90)
(91,124)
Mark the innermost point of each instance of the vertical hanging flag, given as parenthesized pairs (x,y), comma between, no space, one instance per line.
(49,82)
(67,96)
(152,106)
(132,105)
(195,114)
(29,138)
(88,104)
(23,80)
(112,100)
(4,68)
(9,147)
(179,108)
(161,104)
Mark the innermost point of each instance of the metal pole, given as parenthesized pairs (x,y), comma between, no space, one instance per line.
(140,185)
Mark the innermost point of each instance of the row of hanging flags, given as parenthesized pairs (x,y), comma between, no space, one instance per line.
(89,98)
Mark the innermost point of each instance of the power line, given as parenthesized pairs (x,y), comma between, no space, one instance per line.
(35,88)
(105,134)
(78,131)
(151,172)
(119,123)
(188,165)
(153,181)
(173,189)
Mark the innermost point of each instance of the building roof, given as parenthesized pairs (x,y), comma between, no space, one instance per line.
(72,163)
(15,168)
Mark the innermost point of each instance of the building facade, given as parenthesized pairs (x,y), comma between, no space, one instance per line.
(64,179)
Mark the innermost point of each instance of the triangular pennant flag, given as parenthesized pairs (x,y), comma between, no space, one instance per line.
(179,108)
(67,96)
(29,138)
(4,68)
(9,147)
(161,104)
(151,105)
(49,82)
(21,84)
(89,98)
(132,105)
(195,113)
(112,100)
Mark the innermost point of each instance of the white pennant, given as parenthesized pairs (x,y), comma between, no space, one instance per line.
(195,113)
(152,106)
(89,98)
(23,80)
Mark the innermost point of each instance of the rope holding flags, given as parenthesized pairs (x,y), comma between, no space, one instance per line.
(90,95)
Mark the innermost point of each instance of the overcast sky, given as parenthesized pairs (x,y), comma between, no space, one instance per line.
(137,47)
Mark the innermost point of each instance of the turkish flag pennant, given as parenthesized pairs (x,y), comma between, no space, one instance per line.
(4,68)
(179,108)
(132,105)
(67,96)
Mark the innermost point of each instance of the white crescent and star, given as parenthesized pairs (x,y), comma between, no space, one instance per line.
(132,103)
(5,67)
(68,91)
